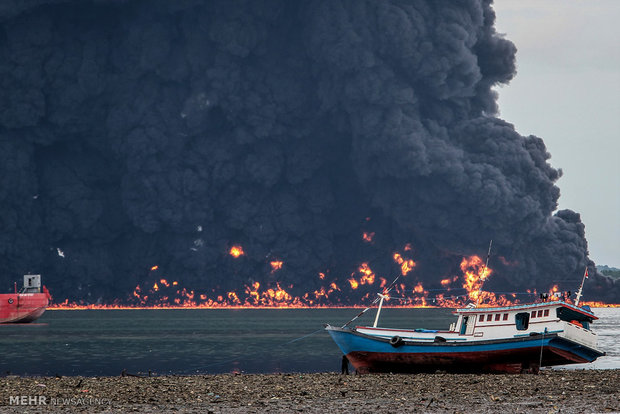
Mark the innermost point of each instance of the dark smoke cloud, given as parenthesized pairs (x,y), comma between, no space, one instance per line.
(144,133)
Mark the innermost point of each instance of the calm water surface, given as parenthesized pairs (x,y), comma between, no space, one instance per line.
(189,341)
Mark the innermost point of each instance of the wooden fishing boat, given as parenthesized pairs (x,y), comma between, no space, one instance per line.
(500,339)
(511,339)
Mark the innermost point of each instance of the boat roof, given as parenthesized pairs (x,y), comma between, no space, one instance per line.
(528,306)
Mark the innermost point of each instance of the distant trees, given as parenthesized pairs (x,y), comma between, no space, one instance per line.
(609,271)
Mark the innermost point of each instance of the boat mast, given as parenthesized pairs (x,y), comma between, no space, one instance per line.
(374,325)
(484,270)
(585,276)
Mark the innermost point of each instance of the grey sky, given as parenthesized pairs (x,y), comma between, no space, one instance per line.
(567,91)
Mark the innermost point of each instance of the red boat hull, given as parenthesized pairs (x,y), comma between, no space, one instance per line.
(506,361)
(22,307)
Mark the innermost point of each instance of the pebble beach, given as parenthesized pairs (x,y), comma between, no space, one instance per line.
(551,391)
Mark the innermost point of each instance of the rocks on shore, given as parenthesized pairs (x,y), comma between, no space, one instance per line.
(579,391)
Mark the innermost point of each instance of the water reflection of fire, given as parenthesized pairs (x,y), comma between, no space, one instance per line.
(164,294)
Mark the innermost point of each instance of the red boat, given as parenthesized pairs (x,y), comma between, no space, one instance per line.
(26,305)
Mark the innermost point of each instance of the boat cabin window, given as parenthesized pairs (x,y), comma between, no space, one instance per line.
(540,313)
(505,317)
(546,312)
(489,317)
(522,321)
(481,318)
(533,314)
(497,317)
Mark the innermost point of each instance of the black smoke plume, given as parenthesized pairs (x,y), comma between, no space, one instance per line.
(143,133)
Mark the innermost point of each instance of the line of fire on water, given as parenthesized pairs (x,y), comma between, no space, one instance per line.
(73,306)
(163,294)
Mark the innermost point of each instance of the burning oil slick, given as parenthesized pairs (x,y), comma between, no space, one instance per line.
(251,147)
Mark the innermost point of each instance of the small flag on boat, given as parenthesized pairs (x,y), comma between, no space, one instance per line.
(586,275)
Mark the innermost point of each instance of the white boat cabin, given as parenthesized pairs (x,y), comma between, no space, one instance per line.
(482,324)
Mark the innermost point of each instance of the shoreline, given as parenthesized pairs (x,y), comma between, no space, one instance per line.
(568,391)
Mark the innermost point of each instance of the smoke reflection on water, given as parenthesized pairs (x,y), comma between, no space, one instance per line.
(210,341)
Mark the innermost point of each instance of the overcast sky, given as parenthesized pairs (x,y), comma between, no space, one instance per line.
(567,91)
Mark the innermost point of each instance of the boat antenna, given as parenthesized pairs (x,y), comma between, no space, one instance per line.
(585,276)
(385,292)
(484,271)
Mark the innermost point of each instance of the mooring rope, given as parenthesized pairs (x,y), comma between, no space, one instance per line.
(241,356)
(302,337)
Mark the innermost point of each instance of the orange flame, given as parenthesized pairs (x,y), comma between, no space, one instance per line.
(368,236)
(475,275)
(368,276)
(164,295)
(354,283)
(154,267)
(406,265)
(233,298)
(600,304)
(276,265)
(236,251)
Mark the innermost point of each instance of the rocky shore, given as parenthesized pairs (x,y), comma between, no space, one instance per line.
(581,391)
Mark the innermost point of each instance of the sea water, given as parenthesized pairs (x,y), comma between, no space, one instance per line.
(206,341)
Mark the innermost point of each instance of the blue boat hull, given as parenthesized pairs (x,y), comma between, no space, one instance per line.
(372,354)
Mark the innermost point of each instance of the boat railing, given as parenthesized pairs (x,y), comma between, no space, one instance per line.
(578,334)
